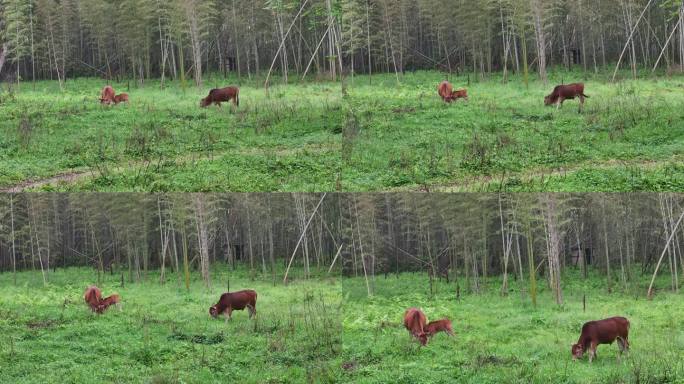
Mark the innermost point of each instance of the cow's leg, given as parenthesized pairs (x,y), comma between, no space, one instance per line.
(581,107)
(251,310)
(592,351)
(227,313)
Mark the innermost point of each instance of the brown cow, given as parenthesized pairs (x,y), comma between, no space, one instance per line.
(107,95)
(446,91)
(566,92)
(436,326)
(601,332)
(460,94)
(217,96)
(108,302)
(235,300)
(121,98)
(93,297)
(414,321)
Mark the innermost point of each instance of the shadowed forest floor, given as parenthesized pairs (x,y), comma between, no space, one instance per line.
(381,136)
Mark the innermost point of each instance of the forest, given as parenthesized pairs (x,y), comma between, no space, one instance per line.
(474,237)
(178,39)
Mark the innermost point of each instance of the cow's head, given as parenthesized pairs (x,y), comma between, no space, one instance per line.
(577,351)
(213,311)
(549,100)
(423,338)
(205,102)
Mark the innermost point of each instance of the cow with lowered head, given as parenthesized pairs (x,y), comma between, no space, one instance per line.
(220,95)
(436,326)
(230,301)
(447,93)
(566,92)
(604,331)
(108,302)
(93,297)
(107,95)
(414,321)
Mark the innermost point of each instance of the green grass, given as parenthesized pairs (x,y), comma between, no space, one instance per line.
(327,330)
(505,339)
(382,136)
(164,334)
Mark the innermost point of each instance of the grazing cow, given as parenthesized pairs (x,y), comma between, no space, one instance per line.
(217,96)
(121,98)
(414,321)
(108,302)
(601,332)
(566,92)
(93,297)
(235,300)
(460,94)
(445,90)
(107,95)
(447,93)
(436,326)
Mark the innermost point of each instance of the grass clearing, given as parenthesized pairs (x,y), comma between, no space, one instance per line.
(328,331)
(164,334)
(505,339)
(381,136)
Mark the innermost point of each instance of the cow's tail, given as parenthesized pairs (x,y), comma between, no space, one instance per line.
(583,95)
(416,318)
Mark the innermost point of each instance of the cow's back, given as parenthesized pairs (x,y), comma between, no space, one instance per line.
(92,296)
(239,299)
(606,330)
(414,320)
(445,89)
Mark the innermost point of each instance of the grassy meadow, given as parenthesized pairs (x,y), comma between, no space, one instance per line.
(379,136)
(164,334)
(327,330)
(505,339)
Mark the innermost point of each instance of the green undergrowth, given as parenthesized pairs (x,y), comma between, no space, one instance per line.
(380,135)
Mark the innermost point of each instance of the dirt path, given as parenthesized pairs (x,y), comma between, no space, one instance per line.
(469,185)
(76,175)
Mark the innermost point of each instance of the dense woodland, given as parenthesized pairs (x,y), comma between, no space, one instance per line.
(518,237)
(179,39)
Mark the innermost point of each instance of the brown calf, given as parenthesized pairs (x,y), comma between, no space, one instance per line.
(459,94)
(447,93)
(566,92)
(436,326)
(235,300)
(121,98)
(414,321)
(108,302)
(217,96)
(601,332)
